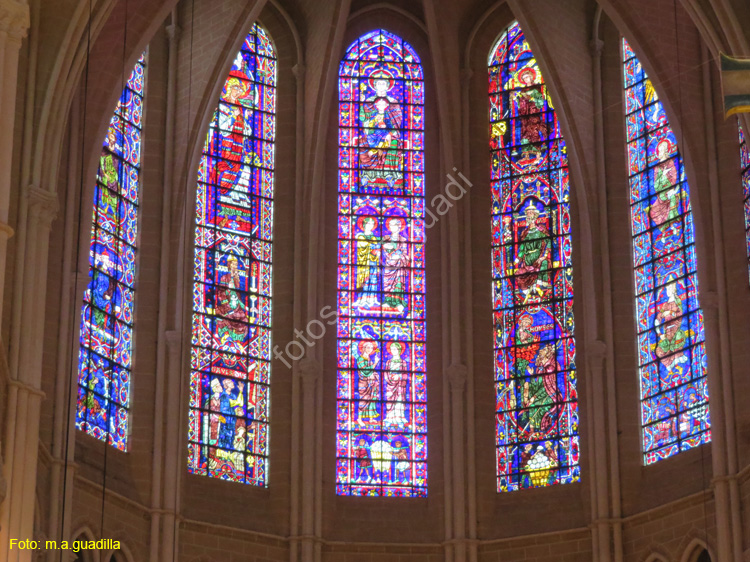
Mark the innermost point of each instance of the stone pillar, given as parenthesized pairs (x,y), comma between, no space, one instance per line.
(710,305)
(310,374)
(457,375)
(14,24)
(601,525)
(21,438)
(174,461)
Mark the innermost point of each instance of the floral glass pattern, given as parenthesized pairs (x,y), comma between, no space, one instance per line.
(231,336)
(381,440)
(745,164)
(106,334)
(532,278)
(669,320)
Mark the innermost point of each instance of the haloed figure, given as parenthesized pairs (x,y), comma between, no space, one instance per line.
(396,262)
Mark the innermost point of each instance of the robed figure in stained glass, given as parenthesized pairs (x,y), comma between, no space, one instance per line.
(672,337)
(667,203)
(232,276)
(530,101)
(105,292)
(106,328)
(381,281)
(671,351)
(232,319)
(533,256)
(537,418)
(232,126)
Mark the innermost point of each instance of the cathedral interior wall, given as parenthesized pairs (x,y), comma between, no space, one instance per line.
(660,511)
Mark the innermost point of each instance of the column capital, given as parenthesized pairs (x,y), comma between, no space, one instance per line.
(14,18)
(299,71)
(42,204)
(172,337)
(27,388)
(6,231)
(596,46)
(309,370)
(173,31)
(457,374)
(597,349)
(710,301)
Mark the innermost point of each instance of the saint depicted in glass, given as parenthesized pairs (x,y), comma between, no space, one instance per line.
(745,164)
(669,320)
(532,278)
(381,440)
(106,336)
(231,340)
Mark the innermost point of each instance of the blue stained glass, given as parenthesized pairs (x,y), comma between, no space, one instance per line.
(232,292)
(745,178)
(672,362)
(106,336)
(381,443)
(535,379)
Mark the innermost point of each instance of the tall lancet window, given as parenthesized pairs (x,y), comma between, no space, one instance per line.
(532,277)
(381,440)
(106,335)
(669,320)
(231,338)
(745,164)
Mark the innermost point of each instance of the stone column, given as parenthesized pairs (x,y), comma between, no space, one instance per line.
(21,438)
(174,461)
(597,352)
(720,483)
(310,374)
(14,24)
(457,375)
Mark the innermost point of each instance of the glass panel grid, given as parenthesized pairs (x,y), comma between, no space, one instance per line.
(381,445)
(106,334)
(669,320)
(745,164)
(232,292)
(532,289)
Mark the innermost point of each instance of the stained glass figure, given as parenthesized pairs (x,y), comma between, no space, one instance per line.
(381,440)
(669,320)
(745,164)
(231,339)
(532,277)
(106,334)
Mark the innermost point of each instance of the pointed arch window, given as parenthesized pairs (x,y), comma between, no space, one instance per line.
(231,335)
(669,320)
(106,332)
(745,164)
(381,440)
(532,276)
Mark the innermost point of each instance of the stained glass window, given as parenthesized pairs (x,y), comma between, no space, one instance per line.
(532,277)
(745,164)
(231,339)
(381,446)
(106,335)
(669,320)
